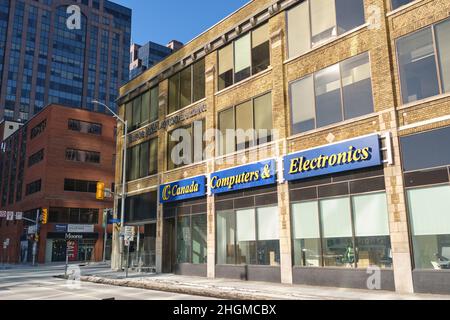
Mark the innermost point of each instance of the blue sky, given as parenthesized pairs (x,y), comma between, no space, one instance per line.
(164,20)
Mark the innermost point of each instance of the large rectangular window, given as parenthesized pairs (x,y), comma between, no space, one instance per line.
(83,156)
(36,158)
(246,56)
(187,86)
(80,185)
(33,187)
(143,109)
(73,215)
(312,23)
(426,150)
(142,160)
(85,127)
(423,62)
(342,232)
(340,92)
(248,236)
(245,125)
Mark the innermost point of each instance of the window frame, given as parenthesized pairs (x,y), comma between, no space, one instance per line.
(233,212)
(349,197)
(436,58)
(233,49)
(178,75)
(341,90)
(190,229)
(255,140)
(321,43)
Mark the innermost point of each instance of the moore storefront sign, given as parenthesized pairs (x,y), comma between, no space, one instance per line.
(182,190)
(344,156)
(244,177)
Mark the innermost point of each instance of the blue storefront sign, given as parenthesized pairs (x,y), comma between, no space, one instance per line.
(344,156)
(244,177)
(184,189)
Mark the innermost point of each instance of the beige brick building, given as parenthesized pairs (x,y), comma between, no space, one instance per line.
(312,78)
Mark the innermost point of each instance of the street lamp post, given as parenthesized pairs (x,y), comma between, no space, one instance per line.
(124,165)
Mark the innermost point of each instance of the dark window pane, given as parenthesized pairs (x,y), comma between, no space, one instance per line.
(399,3)
(426,150)
(417,63)
(260,49)
(185,87)
(174,90)
(199,80)
(357,87)
(421,178)
(349,14)
(328,96)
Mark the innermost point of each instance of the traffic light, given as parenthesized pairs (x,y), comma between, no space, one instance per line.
(100,194)
(44,216)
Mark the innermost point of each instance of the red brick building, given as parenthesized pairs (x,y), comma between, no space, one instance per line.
(54,162)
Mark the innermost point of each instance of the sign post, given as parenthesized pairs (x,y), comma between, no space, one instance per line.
(128,237)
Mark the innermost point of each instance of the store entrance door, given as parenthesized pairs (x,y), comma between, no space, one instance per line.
(168,255)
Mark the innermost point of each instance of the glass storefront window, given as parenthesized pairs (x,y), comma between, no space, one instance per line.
(306,234)
(226,234)
(342,232)
(183,239)
(199,227)
(248,236)
(372,230)
(337,242)
(430,226)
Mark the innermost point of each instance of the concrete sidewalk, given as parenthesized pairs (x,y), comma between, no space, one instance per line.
(242,290)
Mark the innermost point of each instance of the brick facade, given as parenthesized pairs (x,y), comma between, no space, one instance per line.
(390,116)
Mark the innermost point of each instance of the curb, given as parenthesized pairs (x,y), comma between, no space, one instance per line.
(184,289)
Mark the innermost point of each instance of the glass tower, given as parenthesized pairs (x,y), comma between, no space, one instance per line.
(44,60)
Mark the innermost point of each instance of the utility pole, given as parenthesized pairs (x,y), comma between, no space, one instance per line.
(114,263)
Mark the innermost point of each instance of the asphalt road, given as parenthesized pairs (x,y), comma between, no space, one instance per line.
(40,284)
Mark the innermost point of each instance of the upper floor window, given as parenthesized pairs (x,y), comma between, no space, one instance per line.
(246,56)
(245,125)
(187,86)
(37,130)
(85,127)
(339,92)
(398,3)
(142,160)
(313,22)
(36,158)
(80,185)
(33,187)
(424,62)
(82,156)
(143,109)
(186,145)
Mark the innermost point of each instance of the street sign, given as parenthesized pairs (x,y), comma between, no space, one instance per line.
(127,243)
(19,215)
(32,229)
(129,233)
(2,214)
(112,221)
(10,216)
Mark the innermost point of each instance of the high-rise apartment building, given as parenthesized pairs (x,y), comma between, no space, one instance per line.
(63,52)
